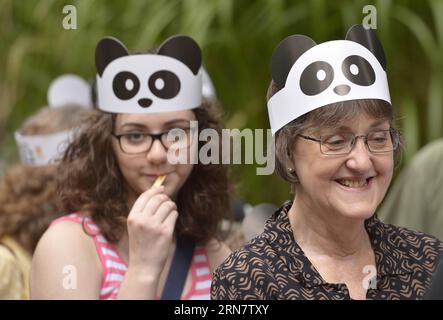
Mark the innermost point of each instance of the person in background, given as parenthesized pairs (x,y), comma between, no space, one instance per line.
(28,191)
(255,219)
(250,222)
(415,200)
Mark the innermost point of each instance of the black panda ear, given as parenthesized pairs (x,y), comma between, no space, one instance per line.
(108,49)
(368,39)
(184,49)
(285,55)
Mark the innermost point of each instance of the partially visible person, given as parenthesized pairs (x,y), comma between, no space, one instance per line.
(415,200)
(28,191)
(250,224)
(254,222)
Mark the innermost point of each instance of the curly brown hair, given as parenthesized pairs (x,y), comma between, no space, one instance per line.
(28,203)
(28,194)
(90,182)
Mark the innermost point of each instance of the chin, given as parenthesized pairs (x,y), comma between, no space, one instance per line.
(358,212)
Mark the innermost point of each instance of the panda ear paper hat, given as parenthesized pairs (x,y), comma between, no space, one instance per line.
(169,80)
(309,76)
(44,149)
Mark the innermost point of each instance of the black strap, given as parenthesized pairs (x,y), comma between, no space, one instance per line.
(179,269)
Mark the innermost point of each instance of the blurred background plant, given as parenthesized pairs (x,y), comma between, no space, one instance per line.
(237,38)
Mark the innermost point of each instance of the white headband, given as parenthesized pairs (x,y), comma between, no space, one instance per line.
(41,150)
(44,149)
(169,80)
(310,76)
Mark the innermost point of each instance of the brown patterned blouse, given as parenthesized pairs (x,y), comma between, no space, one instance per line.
(273,266)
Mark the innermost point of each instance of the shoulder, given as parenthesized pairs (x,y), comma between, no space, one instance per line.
(262,252)
(257,253)
(66,232)
(8,263)
(416,246)
(426,164)
(429,154)
(246,274)
(217,252)
(416,240)
(64,250)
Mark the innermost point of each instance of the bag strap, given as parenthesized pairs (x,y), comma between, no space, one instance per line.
(181,263)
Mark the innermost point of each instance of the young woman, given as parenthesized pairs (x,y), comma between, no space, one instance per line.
(124,233)
(330,110)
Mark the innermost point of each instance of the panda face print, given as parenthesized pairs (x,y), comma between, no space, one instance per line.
(149,83)
(319,75)
(340,73)
(316,78)
(335,70)
(358,70)
(139,82)
(162,84)
(309,75)
(125,85)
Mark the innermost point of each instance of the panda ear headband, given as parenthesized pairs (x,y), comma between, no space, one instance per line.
(309,76)
(169,80)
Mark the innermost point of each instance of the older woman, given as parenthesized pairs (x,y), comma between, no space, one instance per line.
(330,110)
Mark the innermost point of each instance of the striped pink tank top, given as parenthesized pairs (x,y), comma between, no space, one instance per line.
(114,267)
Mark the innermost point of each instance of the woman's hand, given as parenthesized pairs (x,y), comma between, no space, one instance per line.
(151,225)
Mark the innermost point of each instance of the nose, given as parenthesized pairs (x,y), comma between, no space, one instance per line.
(342,89)
(157,153)
(145,102)
(360,157)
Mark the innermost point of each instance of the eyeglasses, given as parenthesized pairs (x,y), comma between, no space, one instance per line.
(378,141)
(140,142)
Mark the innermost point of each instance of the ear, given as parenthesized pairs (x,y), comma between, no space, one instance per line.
(184,49)
(285,55)
(108,49)
(368,39)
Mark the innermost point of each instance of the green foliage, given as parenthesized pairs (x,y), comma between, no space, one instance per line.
(237,38)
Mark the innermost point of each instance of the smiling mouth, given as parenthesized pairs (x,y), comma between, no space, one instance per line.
(354,183)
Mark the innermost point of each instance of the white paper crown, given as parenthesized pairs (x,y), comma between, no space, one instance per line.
(44,149)
(208,89)
(169,80)
(310,76)
(41,150)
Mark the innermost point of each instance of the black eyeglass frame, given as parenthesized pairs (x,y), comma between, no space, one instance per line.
(154,137)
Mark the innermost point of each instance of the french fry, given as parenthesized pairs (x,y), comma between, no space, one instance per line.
(159,181)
